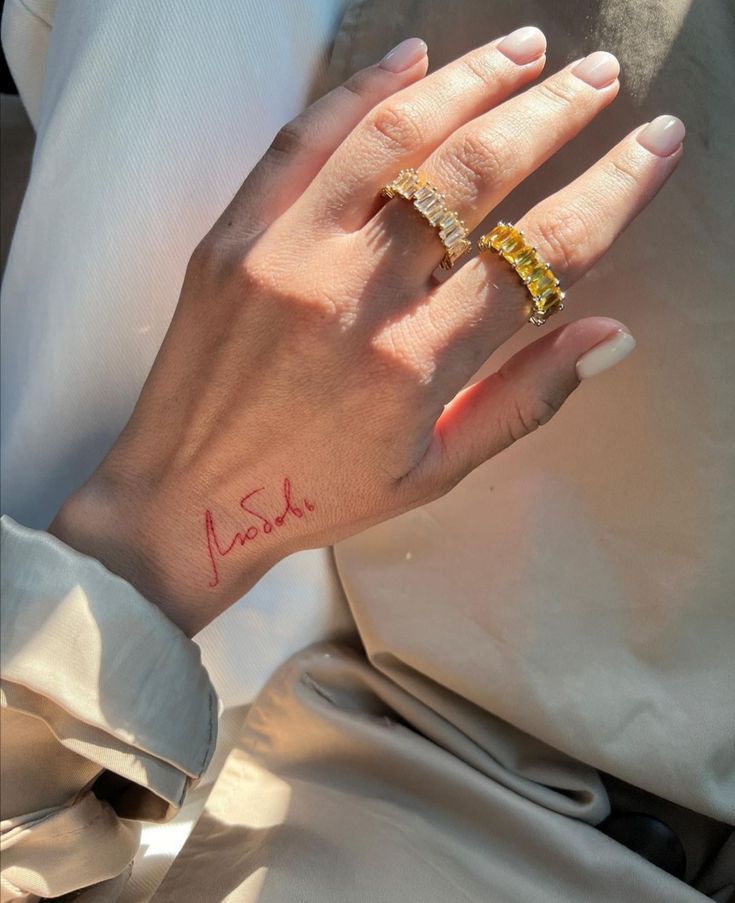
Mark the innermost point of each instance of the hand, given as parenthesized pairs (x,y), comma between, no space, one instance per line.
(311,381)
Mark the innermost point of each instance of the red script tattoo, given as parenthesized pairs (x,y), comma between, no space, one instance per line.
(216,549)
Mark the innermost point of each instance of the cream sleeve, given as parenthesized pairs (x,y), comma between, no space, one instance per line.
(108,718)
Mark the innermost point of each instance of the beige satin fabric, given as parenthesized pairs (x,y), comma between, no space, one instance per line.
(95,680)
(346,787)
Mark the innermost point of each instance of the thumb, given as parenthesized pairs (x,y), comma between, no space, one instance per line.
(525,393)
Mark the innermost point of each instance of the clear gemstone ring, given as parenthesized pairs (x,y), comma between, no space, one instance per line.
(411,185)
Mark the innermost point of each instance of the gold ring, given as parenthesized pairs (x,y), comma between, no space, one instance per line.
(546,296)
(413,186)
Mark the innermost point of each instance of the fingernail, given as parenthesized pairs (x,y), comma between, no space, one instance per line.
(598,69)
(524,45)
(662,136)
(609,352)
(405,55)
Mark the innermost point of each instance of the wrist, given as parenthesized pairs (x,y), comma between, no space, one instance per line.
(155,545)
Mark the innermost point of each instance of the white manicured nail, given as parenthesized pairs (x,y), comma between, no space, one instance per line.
(609,352)
(662,136)
(405,55)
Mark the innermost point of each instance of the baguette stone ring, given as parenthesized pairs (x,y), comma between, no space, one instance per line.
(546,296)
(411,185)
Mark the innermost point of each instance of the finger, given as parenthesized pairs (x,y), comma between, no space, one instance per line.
(404,130)
(302,146)
(524,394)
(482,162)
(479,308)
(575,226)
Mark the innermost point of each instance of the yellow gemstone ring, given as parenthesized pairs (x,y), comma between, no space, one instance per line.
(546,296)
(412,186)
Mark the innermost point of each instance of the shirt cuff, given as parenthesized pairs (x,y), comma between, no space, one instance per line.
(109,674)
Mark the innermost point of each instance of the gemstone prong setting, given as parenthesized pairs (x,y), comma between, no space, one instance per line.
(411,185)
(536,274)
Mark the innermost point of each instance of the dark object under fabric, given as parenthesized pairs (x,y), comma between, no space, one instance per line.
(650,838)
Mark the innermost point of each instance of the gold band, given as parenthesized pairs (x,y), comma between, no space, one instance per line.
(546,296)
(412,186)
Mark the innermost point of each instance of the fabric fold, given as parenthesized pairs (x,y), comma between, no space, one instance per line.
(116,658)
(339,789)
(108,716)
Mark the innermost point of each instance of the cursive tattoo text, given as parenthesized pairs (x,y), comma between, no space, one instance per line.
(217,549)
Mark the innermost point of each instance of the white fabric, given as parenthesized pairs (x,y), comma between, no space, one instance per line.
(129,657)
(128,174)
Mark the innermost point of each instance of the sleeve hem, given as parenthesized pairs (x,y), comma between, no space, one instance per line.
(110,675)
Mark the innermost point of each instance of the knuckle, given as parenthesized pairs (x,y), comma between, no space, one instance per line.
(528,415)
(208,259)
(563,235)
(255,273)
(622,171)
(289,139)
(270,279)
(357,85)
(541,410)
(558,92)
(477,68)
(480,159)
(397,126)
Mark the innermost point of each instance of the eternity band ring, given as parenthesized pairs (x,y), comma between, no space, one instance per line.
(412,185)
(546,295)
